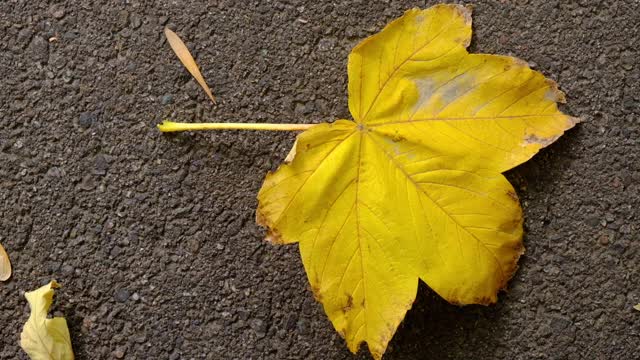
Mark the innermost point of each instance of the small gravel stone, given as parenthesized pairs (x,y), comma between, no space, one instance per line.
(116,251)
(167,99)
(119,353)
(299,109)
(140,338)
(243,315)
(135,21)
(558,324)
(240,324)
(39,49)
(58,14)
(259,327)
(100,165)
(123,19)
(53,267)
(593,220)
(121,295)
(603,239)
(193,245)
(606,237)
(87,183)
(627,59)
(327,44)
(67,269)
(55,172)
(303,326)
(87,119)
(291,322)
(216,327)
(24,36)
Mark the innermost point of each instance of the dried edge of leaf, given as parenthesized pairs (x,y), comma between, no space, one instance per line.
(273,236)
(465,12)
(181,50)
(637,307)
(554,94)
(5,265)
(519,250)
(558,96)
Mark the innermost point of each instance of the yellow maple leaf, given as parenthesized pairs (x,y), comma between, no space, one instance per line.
(412,188)
(42,338)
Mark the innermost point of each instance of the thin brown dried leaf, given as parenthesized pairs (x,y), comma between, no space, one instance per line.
(5,265)
(187,60)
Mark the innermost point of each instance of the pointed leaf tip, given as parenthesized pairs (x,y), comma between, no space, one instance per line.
(180,49)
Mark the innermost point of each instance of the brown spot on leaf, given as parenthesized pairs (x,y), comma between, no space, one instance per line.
(573,120)
(513,195)
(260,218)
(520,63)
(554,93)
(316,292)
(534,139)
(465,12)
(483,300)
(397,137)
(518,249)
(347,307)
(273,235)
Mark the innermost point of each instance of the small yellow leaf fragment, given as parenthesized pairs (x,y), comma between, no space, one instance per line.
(5,265)
(42,338)
(187,60)
(637,307)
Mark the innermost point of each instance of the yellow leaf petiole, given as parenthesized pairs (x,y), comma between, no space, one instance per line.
(170,126)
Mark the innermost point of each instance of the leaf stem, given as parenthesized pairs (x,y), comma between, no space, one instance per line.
(170,126)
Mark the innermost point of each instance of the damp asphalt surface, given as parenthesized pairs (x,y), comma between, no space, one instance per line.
(153,236)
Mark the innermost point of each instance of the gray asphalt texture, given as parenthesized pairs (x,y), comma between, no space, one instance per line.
(153,236)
